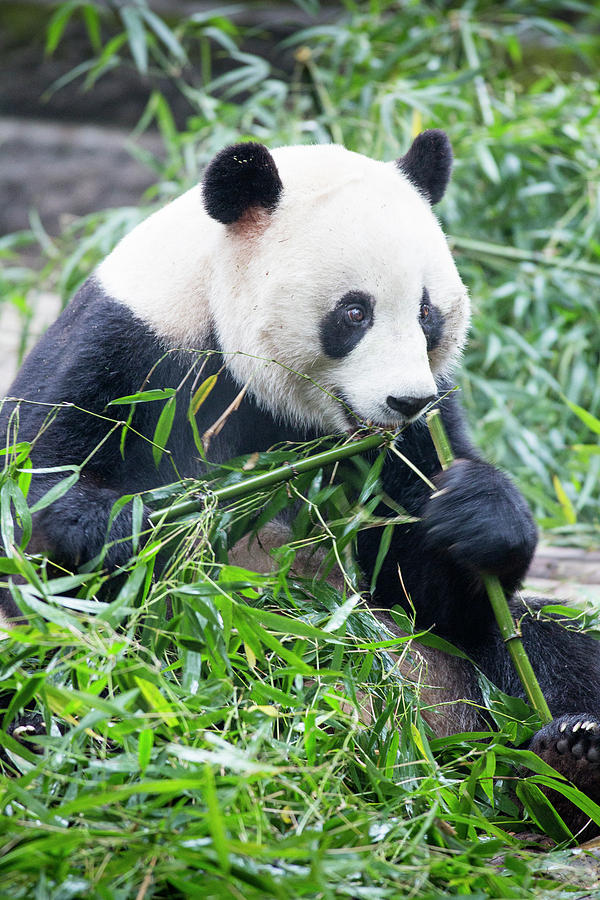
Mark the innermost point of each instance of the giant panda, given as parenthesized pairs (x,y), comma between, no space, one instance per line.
(319,287)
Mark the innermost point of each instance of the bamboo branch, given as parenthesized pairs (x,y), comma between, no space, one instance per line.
(508,629)
(275,476)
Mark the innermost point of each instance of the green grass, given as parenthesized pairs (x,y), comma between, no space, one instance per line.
(215,732)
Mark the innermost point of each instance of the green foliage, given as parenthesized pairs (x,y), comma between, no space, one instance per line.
(217,732)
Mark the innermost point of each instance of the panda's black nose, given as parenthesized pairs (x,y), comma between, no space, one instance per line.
(409,406)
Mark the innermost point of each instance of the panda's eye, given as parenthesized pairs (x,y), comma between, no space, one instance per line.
(355,314)
(343,327)
(431,321)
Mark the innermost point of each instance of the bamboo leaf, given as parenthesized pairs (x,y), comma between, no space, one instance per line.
(542,812)
(58,23)
(563,499)
(145,742)
(384,546)
(163,430)
(136,36)
(215,819)
(92,24)
(56,492)
(586,417)
(164,33)
(144,397)
(202,393)
(156,702)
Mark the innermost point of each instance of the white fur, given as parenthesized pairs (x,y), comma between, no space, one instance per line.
(344,222)
(162,269)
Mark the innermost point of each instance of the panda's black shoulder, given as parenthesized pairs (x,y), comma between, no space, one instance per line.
(97,350)
(86,349)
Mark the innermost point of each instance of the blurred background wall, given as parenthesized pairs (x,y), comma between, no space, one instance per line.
(63,149)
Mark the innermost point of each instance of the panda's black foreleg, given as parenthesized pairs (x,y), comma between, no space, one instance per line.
(475,522)
(479,520)
(74,529)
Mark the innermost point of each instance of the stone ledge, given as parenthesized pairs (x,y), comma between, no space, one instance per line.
(65,170)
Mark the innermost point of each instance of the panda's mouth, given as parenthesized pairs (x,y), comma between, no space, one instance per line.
(355,422)
(386,417)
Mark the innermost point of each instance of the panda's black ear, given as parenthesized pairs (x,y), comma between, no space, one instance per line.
(240,178)
(428,163)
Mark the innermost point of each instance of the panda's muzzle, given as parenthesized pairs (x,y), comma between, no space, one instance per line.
(409,407)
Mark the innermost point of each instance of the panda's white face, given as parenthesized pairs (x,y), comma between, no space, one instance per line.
(344,282)
(325,305)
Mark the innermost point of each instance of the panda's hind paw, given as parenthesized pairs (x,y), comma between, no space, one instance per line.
(569,740)
(571,745)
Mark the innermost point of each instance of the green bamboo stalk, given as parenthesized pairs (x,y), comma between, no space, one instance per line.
(282,473)
(516,253)
(509,631)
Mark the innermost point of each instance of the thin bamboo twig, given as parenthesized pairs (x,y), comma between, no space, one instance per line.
(508,629)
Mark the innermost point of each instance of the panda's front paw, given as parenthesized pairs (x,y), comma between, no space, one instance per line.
(568,741)
(480,519)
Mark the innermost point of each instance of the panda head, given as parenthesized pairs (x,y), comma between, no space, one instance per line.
(322,275)
(334,267)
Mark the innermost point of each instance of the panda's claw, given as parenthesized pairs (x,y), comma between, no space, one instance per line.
(22,730)
(27,726)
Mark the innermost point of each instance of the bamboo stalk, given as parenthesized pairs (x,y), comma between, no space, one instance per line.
(508,629)
(516,253)
(276,476)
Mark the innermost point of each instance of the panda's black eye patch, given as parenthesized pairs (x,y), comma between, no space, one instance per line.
(343,327)
(431,320)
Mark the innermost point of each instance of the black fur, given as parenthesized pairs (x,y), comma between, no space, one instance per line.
(428,164)
(476,521)
(240,178)
(338,331)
